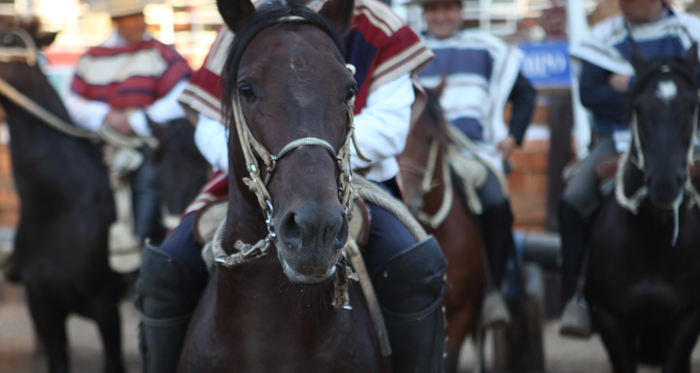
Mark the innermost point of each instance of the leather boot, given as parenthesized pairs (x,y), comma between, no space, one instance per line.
(497,228)
(166,297)
(576,319)
(409,289)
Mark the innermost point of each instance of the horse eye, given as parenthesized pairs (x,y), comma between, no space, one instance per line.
(246,92)
(7,39)
(351,93)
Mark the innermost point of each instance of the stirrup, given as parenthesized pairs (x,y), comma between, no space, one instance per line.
(576,319)
(494,311)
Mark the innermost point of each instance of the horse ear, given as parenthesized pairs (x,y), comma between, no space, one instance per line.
(340,13)
(691,57)
(45,39)
(234,12)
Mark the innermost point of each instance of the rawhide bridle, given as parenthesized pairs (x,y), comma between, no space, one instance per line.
(29,55)
(427,175)
(259,186)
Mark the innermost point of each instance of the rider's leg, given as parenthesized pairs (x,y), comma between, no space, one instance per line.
(581,199)
(171,281)
(409,279)
(146,197)
(497,228)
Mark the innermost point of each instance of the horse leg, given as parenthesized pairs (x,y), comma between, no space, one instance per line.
(620,346)
(682,343)
(50,323)
(479,336)
(109,323)
(459,324)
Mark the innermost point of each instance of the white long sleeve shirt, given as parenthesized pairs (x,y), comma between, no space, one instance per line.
(90,114)
(381,130)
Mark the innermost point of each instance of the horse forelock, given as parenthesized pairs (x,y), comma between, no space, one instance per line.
(267,15)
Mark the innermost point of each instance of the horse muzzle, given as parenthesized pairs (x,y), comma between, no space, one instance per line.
(310,241)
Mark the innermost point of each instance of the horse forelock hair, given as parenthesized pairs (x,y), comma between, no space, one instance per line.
(266,16)
(677,67)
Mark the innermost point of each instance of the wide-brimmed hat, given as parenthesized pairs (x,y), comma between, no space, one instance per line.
(425,2)
(121,8)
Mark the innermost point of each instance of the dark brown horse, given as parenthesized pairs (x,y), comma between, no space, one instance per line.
(274,314)
(458,234)
(644,271)
(60,252)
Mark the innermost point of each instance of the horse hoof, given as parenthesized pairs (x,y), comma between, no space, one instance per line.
(575,320)
(494,311)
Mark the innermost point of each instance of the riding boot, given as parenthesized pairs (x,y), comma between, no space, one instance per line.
(166,297)
(410,288)
(497,228)
(575,320)
(146,199)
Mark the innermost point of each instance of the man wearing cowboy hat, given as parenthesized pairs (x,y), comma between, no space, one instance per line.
(477,74)
(128,80)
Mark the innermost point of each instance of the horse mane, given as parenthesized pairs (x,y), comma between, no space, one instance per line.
(652,69)
(265,16)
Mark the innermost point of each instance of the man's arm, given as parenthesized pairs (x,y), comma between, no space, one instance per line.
(163,110)
(523,98)
(383,125)
(596,92)
(91,114)
(211,138)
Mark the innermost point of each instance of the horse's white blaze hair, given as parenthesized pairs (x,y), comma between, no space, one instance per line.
(666,91)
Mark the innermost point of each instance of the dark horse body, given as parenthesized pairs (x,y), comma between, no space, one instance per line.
(458,235)
(643,289)
(61,253)
(259,317)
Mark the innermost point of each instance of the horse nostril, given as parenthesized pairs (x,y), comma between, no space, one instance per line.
(291,232)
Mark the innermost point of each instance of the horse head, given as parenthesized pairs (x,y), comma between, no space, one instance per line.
(20,42)
(424,146)
(664,110)
(181,170)
(287,79)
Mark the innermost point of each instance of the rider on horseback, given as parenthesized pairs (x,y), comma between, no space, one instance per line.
(128,80)
(606,78)
(385,53)
(476,75)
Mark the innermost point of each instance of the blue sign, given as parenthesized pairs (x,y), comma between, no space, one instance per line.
(547,64)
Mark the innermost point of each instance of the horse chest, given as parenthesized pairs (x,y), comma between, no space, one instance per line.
(633,267)
(277,330)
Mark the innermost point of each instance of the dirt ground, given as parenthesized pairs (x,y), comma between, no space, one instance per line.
(17,352)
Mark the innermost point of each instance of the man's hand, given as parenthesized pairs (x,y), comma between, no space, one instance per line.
(120,122)
(619,83)
(507,146)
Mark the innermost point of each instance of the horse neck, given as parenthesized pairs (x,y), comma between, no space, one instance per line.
(42,155)
(433,199)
